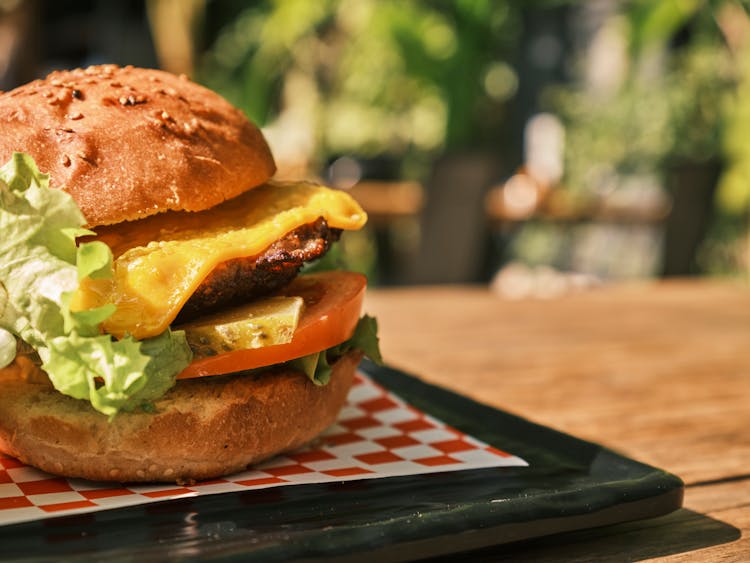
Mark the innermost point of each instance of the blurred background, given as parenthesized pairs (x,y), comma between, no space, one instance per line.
(537,146)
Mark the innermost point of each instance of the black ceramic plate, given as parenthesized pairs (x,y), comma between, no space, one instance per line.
(569,485)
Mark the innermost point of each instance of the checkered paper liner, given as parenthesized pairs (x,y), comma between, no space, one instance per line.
(377,435)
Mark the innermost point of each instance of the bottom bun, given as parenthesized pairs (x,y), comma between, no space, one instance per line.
(202,428)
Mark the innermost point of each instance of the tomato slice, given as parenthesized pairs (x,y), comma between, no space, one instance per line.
(333,302)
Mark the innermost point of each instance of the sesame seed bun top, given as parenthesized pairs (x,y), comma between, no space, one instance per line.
(130,142)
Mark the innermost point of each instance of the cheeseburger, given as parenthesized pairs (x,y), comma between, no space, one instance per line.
(153,325)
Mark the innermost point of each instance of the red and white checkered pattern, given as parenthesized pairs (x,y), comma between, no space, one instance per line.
(377,435)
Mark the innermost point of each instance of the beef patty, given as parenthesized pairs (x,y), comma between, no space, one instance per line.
(243,279)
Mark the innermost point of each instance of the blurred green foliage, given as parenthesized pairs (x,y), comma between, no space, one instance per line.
(396,77)
(670,105)
(410,79)
(734,188)
(684,97)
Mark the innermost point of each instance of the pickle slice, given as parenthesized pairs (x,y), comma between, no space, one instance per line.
(265,322)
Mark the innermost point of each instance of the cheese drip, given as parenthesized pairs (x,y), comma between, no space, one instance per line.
(161,260)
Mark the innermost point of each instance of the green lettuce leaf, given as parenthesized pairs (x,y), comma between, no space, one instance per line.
(365,338)
(116,375)
(318,366)
(40,268)
(94,260)
(7,348)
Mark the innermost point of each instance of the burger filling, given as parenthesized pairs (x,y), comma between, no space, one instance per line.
(161,261)
(245,279)
(96,309)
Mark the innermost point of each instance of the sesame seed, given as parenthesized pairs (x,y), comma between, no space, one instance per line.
(65,160)
(132,100)
(75,116)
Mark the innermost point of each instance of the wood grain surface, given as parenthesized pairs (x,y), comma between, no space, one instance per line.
(659,371)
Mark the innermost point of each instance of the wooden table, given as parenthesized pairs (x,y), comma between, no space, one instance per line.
(659,371)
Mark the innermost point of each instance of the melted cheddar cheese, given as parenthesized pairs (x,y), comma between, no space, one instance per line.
(161,260)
